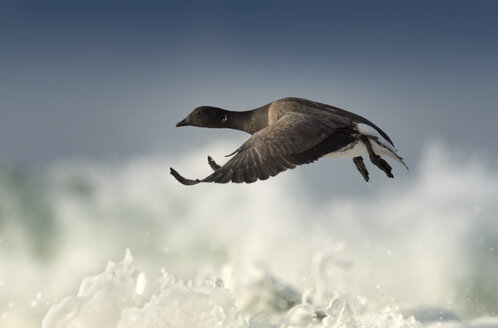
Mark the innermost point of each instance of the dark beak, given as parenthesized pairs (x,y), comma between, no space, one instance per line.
(182,123)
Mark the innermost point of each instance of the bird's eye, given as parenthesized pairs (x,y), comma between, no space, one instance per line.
(224,119)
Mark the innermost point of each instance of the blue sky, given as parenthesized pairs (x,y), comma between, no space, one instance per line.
(109,79)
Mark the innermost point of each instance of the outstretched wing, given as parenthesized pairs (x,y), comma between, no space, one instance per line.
(272,150)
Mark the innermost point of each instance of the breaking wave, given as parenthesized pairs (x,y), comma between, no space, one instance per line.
(263,255)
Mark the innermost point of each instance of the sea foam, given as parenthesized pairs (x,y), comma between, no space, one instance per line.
(109,299)
(419,251)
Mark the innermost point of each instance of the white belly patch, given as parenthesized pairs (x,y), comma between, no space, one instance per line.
(380,146)
(359,149)
(350,151)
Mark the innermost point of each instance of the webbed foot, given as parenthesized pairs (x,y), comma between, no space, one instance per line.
(360,165)
(376,159)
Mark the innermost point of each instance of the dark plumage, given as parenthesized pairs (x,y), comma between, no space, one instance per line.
(290,132)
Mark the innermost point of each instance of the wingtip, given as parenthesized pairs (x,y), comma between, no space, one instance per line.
(182,180)
(174,173)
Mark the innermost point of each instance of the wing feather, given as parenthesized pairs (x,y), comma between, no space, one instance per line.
(275,149)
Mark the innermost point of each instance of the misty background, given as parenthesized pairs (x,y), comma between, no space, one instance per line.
(90,93)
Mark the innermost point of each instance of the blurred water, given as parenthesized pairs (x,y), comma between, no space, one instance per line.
(424,252)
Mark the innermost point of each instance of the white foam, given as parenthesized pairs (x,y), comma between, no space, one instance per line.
(355,258)
(176,304)
(100,298)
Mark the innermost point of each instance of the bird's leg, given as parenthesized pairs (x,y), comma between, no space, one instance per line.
(376,159)
(213,164)
(360,165)
(182,180)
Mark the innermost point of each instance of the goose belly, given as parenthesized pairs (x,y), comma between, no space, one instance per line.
(349,151)
(359,149)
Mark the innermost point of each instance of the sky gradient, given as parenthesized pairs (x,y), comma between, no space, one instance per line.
(104,80)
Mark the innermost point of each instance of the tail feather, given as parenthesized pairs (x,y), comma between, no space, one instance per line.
(381,146)
(381,149)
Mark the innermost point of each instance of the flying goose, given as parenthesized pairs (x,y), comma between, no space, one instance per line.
(290,132)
